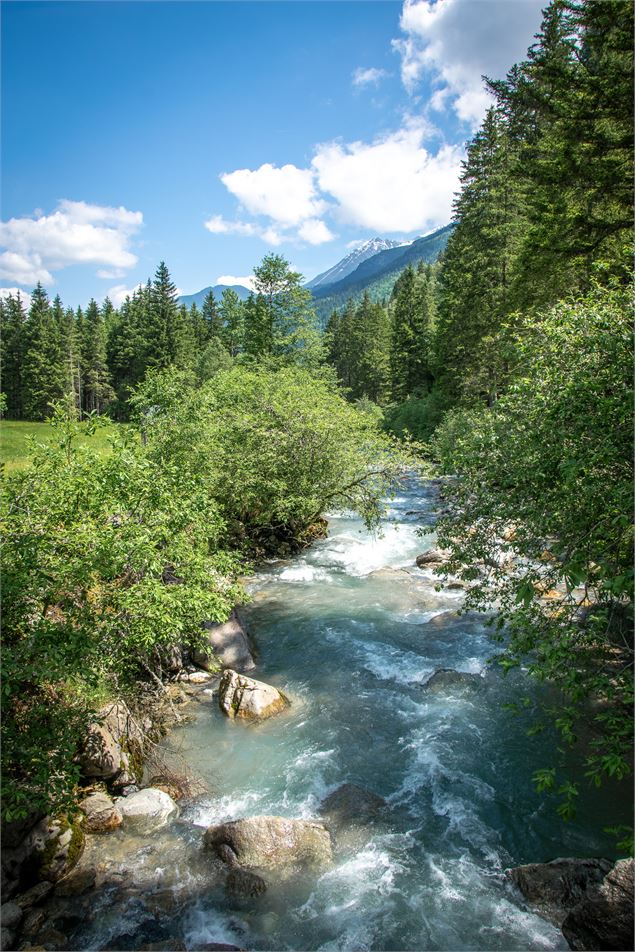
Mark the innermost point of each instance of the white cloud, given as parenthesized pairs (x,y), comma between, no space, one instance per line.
(315,232)
(287,195)
(75,233)
(459,41)
(220,226)
(392,184)
(370,76)
(26,297)
(24,269)
(232,279)
(112,274)
(120,292)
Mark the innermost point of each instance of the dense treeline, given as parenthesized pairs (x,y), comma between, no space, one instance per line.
(100,355)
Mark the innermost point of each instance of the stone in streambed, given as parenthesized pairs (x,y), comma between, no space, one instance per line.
(244,698)
(351,804)
(147,811)
(603,919)
(270,842)
(447,679)
(351,813)
(226,643)
(555,887)
(431,558)
(242,882)
(102,815)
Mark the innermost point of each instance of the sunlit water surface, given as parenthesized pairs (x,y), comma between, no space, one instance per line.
(351,630)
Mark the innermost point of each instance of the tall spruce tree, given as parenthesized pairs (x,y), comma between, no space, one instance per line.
(12,353)
(44,378)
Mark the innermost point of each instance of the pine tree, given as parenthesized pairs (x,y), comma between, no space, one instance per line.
(97,388)
(232,313)
(478,267)
(212,317)
(45,377)
(160,324)
(12,353)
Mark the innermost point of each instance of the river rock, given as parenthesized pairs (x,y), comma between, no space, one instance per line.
(270,842)
(77,882)
(35,895)
(10,915)
(445,679)
(227,643)
(431,558)
(245,698)
(555,887)
(101,755)
(102,815)
(121,723)
(243,882)
(147,811)
(603,919)
(351,804)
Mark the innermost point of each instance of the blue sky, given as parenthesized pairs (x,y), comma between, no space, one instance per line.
(208,134)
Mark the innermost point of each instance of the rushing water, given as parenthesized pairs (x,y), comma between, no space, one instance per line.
(351,630)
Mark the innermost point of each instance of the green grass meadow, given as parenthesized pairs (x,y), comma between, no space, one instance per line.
(18,436)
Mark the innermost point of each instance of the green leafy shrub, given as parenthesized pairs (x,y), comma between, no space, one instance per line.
(542,517)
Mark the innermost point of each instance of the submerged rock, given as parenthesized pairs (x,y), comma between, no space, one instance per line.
(603,919)
(270,842)
(242,882)
(447,678)
(555,887)
(102,815)
(245,698)
(350,804)
(228,644)
(147,811)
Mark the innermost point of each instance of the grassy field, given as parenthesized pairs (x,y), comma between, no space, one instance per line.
(16,437)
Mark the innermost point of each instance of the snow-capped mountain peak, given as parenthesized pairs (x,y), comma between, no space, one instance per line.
(352,260)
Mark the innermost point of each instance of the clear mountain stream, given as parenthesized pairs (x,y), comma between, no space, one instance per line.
(351,630)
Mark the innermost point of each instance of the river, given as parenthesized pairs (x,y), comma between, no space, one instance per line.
(352,630)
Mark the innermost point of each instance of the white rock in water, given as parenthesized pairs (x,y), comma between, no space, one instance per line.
(147,810)
(228,644)
(245,698)
(197,677)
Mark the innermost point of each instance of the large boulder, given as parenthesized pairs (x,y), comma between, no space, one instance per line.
(447,679)
(226,643)
(603,919)
(101,755)
(147,810)
(247,699)
(555,887)
(270,842)
(102,815)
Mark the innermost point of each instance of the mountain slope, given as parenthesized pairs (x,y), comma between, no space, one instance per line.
(199,297)
(383,263)
(378,274)
(348,264)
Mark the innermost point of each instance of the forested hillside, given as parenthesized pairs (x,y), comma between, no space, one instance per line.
(508,361)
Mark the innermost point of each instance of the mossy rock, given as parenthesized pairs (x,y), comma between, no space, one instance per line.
(64,845)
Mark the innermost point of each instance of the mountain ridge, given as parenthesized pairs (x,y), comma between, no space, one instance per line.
(346,265)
